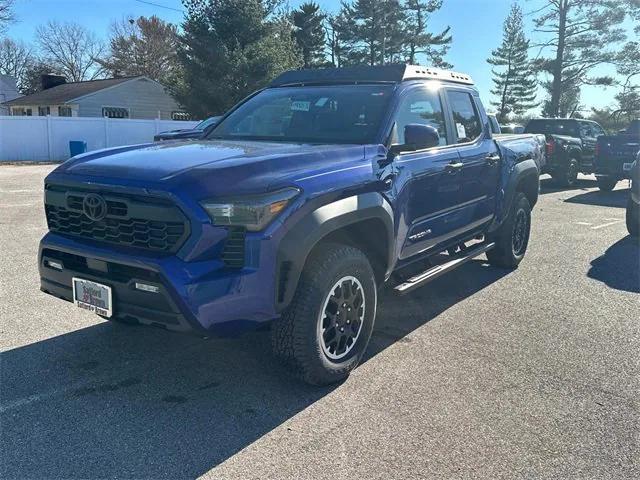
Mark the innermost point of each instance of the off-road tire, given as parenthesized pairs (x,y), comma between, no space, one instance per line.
(606,184)
(633,218)
(506,253)
(567,176)
(295,337)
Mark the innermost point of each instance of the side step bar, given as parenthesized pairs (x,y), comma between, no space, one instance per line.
(435,272)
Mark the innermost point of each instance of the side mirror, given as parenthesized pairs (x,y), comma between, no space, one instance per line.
(418,136)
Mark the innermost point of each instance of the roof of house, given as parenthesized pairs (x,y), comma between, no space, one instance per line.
(61,94)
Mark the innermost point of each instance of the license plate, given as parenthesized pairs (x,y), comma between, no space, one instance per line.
(92,296)
(626,166)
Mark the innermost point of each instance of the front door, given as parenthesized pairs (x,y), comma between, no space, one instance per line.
(428,184)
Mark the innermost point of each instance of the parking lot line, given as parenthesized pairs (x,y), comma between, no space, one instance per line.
(597,227)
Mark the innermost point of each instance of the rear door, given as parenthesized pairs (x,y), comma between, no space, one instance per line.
(428,188)
(478,154)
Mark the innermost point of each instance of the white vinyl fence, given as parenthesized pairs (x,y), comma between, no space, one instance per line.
(47,138)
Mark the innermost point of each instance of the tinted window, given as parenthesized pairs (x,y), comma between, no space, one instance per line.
(586,130)
(597,130)
(423,107)
(557,127)
(465,116)
(328,114)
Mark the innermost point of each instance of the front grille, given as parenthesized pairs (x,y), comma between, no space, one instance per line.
(130,221)
(233,253)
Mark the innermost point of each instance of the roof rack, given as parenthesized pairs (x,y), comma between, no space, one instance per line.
(365,74)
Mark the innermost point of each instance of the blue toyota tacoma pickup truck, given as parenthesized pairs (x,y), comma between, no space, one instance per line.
(301,203)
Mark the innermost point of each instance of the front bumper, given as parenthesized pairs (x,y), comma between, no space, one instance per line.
(204,297)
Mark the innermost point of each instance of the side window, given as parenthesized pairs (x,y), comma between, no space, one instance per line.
(465,116)
(597,130)
(586,130)
(420,106)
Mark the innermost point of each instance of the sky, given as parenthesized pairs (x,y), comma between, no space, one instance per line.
(476,26)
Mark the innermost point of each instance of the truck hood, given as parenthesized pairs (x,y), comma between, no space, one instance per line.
(233,166)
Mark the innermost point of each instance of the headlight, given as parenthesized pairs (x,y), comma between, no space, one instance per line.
(253,212)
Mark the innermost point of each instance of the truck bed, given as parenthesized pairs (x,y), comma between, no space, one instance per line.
(522,145)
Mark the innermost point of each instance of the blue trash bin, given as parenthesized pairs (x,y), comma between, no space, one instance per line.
(76,147)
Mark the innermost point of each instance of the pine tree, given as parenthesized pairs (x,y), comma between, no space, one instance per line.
(514,81)
(336,43)
(581,35)
(373,29)
(419,41)
(309,33)
(228,49)
(146,46)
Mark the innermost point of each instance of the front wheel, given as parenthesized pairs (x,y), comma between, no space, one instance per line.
(606,184)
(512,238)
(325,331)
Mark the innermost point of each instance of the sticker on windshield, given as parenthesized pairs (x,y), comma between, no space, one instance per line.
(321,101)
(300,106)
(462,132)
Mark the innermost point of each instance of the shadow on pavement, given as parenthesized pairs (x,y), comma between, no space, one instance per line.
(615,198)
(123,401)
(548,185)
(619,267)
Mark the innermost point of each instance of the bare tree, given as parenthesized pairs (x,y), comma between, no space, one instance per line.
(16,58)
(71,49)
(6,14)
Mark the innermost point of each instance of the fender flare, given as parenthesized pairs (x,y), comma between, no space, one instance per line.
(525,171)
(299,241)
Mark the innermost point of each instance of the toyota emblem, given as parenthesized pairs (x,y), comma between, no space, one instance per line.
(94,207)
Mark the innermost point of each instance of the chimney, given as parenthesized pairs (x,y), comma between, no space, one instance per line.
(50,80)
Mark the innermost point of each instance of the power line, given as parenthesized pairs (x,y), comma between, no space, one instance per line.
(160,6)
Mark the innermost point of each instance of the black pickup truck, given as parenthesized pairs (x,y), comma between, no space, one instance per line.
(615,155)
(571,145)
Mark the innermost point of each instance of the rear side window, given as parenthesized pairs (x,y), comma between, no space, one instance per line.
(465,116)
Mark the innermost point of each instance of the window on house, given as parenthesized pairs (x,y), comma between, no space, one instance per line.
(64,111)
(28,112)
(115,112)
(180,116)
(44,111)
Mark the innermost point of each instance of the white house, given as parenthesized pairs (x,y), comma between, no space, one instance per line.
(127,97)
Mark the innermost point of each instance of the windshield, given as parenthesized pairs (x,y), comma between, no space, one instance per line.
(324,114)
(205,123)
(556,127)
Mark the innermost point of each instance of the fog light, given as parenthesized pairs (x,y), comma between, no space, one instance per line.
(56,265)
(147,288)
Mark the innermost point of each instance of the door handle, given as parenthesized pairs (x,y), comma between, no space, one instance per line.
(493,159)
(453,167)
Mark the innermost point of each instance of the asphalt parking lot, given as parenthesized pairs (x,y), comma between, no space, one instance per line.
(484,373)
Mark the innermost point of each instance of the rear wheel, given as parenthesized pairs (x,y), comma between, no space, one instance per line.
(606,184)
(567,176)
(325,331)
(512,238)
